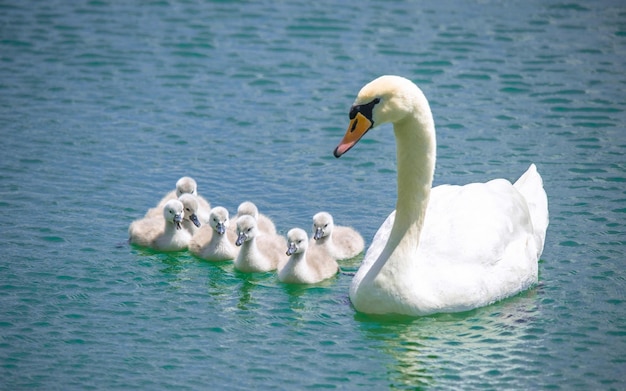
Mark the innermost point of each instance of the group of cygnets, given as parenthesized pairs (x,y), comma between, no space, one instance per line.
(185,220)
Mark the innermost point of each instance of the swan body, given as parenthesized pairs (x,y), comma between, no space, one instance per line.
(338,241)
(260,252)
(211,242)
(448,248)
(164,233)
(185,185)
(306,267)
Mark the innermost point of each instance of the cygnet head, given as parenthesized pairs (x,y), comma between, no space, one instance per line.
(322,225)
(186,185)
(218,219)
(173,211)
(246,229)
(248,208)
(190,204)
(297,240)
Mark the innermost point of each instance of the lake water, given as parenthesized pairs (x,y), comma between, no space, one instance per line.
(104,105)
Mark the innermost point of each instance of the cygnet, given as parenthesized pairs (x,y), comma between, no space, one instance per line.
(305,267)
(211,242)
(162,233)
(264,223)
(190,220)
(185,185)
(260,252)
(338,241)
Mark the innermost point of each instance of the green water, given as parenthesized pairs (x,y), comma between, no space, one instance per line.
(104,105)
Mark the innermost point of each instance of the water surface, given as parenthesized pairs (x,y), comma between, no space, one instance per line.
(104,105)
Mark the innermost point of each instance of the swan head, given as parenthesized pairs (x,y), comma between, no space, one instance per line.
(248,208)
(297,240)
(186,185)
(246,229)
(218,219)
(190,203)
(174,211)
(322,225)
(387,99)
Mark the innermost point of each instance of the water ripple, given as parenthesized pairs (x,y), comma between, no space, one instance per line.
(104,105)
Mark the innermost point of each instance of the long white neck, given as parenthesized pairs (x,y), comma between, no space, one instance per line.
(415,150)
(416,154)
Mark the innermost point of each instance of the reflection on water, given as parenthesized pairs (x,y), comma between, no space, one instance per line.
(470,342)
(245,293)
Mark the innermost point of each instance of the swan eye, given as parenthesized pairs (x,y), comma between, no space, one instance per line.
(365,109)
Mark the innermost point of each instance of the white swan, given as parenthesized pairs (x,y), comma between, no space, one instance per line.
(185,185)
(338,241)
(190,219)
(447,249)
(161,233)
(305,267)
(260,252)
(211,242)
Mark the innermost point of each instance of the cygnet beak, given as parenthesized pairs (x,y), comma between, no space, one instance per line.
(292,248)
(220,228)
(194,220)
(319,233)
(359,125)
(241,238)
(178,218)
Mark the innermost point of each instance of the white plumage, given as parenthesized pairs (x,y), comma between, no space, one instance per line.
(211,242)
(337,241)
(260,252)
(163,233)
(449,248)
(306,266)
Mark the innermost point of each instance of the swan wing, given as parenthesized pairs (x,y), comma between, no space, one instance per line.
(530,185)
(472,224)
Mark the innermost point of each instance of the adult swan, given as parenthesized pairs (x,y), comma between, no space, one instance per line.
(448,248)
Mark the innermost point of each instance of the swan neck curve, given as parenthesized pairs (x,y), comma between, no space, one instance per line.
(416,154)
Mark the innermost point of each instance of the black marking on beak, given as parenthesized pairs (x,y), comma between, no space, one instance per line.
(365,109)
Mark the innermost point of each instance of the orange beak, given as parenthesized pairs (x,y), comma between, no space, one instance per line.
(358,126)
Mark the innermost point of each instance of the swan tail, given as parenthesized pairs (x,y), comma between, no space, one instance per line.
(530,185)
